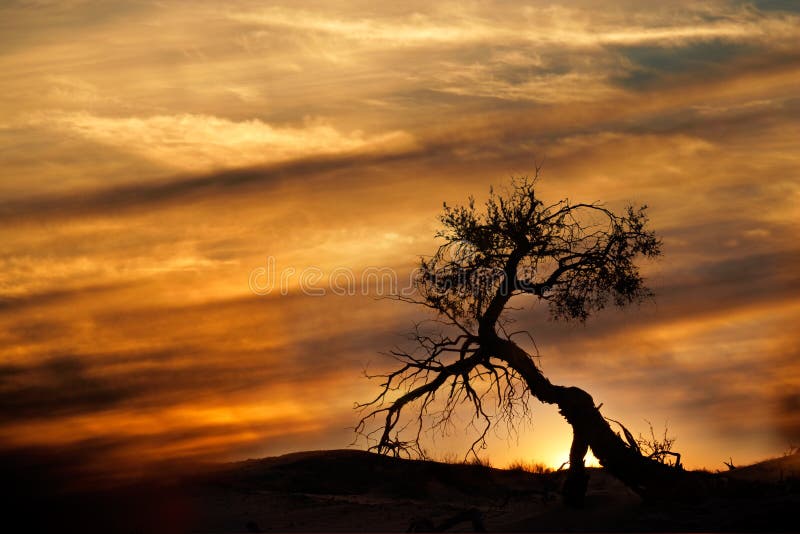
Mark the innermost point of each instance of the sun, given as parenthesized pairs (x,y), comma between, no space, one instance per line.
(562,458)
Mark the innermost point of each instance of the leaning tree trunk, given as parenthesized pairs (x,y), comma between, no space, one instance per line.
(647,477)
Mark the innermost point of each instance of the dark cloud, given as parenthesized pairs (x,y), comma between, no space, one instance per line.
(264,179)
(15,304)
(56,388)
(694,293)
(231,345)
(789,6)
(654,67)
(737,282)
(787,408)
(24,23)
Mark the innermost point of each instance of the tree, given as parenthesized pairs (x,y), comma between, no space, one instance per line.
(659,448)
(576,258)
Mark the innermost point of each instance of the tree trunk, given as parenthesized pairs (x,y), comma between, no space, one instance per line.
(647,477)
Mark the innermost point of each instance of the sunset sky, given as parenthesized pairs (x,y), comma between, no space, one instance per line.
(156,153)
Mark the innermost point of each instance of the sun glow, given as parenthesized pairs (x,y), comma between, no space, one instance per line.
(561,459)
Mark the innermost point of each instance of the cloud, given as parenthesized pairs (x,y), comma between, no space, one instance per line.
(788,415)
(200,142)
(58,387)
(573,52)
(189,186)
(553,24)
(160,380)
(482,81)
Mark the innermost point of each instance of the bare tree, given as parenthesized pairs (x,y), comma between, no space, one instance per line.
(659,448)
(576,258)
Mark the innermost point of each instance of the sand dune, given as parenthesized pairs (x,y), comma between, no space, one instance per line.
(356,491)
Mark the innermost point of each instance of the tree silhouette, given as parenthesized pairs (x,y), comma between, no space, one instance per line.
(578,258)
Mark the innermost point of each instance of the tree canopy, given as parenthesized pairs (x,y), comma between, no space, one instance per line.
(573,256)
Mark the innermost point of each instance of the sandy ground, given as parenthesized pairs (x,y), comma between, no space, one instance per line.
(354,491)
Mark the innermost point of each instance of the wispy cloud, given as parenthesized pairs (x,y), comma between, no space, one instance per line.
(197,142)
(549,25)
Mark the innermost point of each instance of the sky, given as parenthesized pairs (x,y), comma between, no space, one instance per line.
(159,158)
